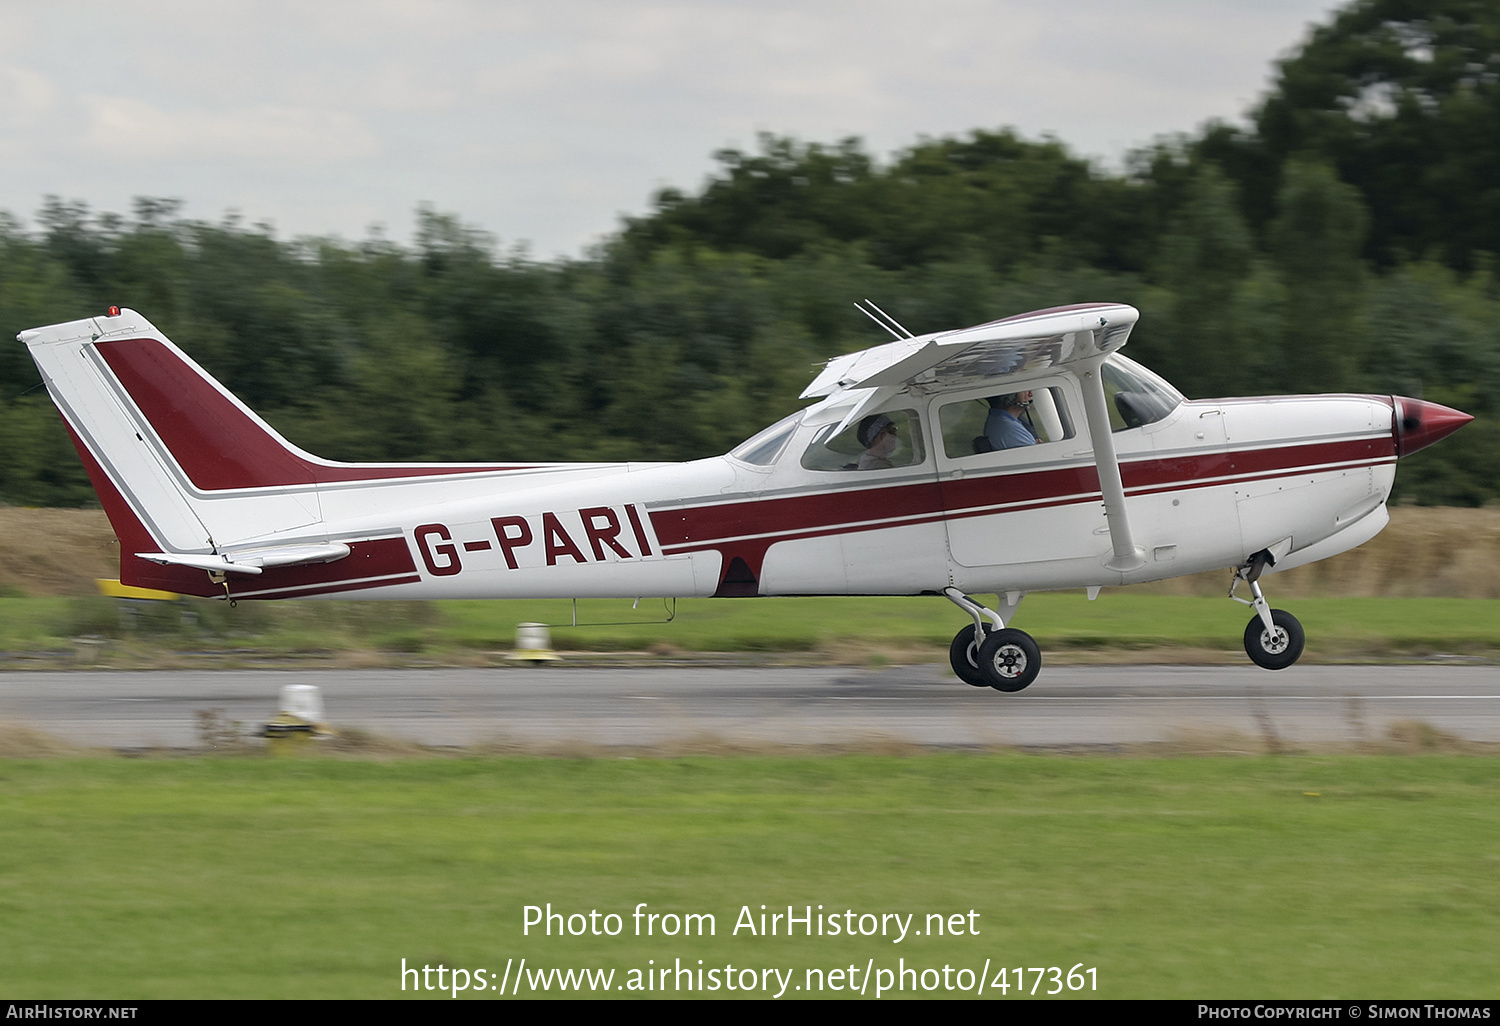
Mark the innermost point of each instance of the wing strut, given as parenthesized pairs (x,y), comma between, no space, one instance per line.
(1128,555)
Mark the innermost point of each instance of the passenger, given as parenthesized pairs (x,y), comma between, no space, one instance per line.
(877,433)
(1004,427)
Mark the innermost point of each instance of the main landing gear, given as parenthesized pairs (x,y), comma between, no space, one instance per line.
(993,655)
(1273,637)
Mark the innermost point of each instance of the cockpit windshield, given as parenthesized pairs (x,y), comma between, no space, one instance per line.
(1136,396)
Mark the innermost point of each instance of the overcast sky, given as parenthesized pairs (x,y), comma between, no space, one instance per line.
(546,122)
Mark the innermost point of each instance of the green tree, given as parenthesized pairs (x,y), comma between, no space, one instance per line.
(992,192)
(1204,260)
(1402,98)
(38,464)
(1315,244)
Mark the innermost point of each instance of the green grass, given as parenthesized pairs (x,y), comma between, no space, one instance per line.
(1117,620)
(1303,877)
(1121,621)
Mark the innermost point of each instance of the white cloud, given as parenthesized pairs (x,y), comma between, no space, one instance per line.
(123,127)
(26,97)
(545,121)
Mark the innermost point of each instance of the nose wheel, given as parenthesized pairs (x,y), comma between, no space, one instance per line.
(1278,647)
(1273,638)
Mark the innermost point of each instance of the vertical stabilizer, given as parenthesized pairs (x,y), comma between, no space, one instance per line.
(110,431)
(174,457)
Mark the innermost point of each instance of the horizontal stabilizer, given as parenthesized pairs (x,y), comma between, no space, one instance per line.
(213,564)
(251,561)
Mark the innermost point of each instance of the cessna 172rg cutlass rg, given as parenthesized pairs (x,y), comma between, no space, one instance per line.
(1018,455)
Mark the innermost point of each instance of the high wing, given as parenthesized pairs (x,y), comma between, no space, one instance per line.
(1013,347)
(1010,347)
(1033,341)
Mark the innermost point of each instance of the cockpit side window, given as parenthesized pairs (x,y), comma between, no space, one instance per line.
(879,441)
(1135,396)
(1008,420)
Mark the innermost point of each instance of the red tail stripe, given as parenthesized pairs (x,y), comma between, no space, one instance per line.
(215,442)
(133,537)
(378,558)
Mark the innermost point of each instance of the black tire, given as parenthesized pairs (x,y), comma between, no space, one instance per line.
(1279,652)
(1010,659)
(963,654)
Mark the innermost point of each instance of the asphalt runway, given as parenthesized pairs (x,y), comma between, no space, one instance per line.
(922,705)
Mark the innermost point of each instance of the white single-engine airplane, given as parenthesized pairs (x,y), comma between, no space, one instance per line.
(1019,455)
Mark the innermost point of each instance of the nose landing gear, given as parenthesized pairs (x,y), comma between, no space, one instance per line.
(1277,648)
(993,655)
(1273,638)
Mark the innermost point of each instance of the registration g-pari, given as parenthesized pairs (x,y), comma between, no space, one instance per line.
(1020,455)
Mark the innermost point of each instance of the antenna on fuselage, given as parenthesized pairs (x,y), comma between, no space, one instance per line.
(883,319)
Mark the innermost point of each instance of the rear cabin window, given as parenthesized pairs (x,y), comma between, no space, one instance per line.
(879,441)
(762,448)
(1007,420)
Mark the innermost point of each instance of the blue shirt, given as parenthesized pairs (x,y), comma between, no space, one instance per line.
(1005,430)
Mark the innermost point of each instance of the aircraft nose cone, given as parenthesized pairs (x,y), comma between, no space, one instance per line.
(1419,424)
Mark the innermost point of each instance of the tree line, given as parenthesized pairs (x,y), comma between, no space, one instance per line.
(1344,239)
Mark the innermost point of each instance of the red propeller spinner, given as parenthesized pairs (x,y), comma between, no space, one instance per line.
(1420,423)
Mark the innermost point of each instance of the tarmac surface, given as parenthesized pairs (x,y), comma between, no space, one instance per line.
(1069,706)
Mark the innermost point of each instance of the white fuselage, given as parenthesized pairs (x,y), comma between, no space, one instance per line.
(194,481)
(1206,486)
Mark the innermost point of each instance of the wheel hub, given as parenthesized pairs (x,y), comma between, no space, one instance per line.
(1275,643)
(1010,661)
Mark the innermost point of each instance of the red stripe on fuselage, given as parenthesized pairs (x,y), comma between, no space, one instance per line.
(741,528)
(1186,469)
(329,589)
(383,558)
(215,442)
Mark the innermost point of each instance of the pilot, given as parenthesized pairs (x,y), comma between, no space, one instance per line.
(1004,427)
(877,433)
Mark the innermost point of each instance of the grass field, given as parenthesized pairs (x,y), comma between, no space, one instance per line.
(1304,876)
(1426,552)
(1122,624)
(1429,584)
(1300,876)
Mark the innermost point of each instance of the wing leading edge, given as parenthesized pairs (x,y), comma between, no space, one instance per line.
(1032,341)
(1012,346)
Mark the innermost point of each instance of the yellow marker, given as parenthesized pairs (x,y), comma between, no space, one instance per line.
(114,589)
